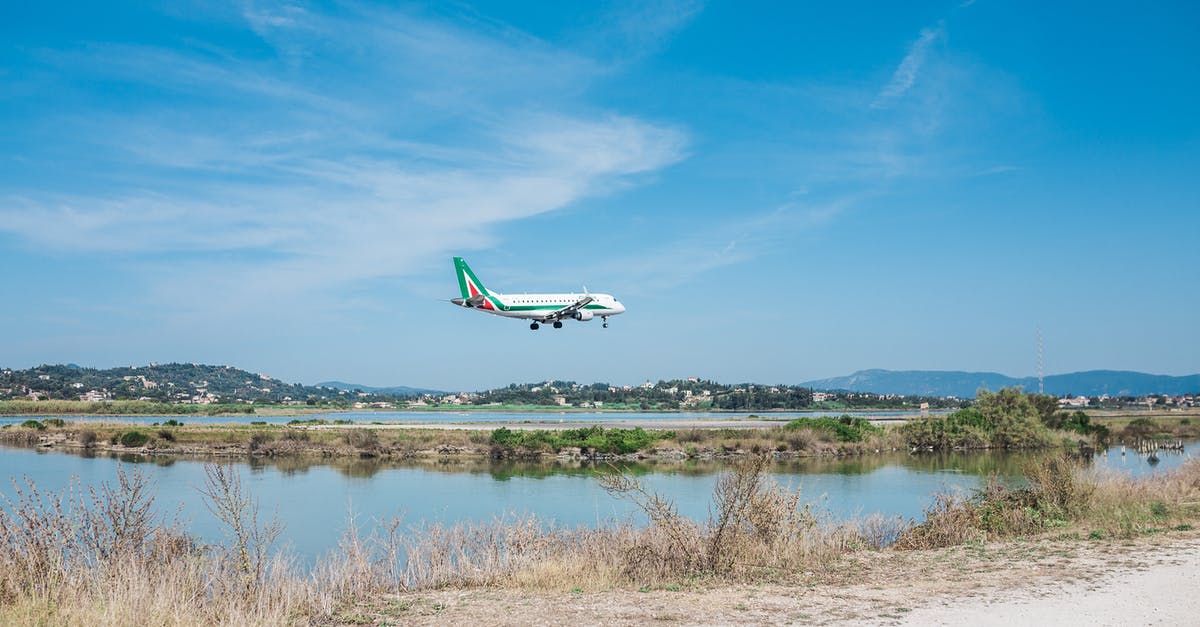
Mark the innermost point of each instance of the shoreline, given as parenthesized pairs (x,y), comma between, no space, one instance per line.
(658,438)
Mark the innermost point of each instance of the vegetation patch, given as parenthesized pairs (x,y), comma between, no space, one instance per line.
(844,428)
(134,439)
(594,439)
(1004,419)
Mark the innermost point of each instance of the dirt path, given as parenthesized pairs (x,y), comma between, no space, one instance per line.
(1147,581)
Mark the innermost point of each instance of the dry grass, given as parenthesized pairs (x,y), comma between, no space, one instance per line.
(1062,496)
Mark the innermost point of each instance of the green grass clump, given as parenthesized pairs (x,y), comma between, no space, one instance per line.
(134,439)
(845,428)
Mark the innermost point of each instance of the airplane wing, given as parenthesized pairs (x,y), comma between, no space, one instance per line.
(568,311)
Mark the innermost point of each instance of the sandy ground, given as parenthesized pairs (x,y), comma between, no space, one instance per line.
(1052,582)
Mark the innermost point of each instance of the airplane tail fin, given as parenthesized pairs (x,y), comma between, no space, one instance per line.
(468,283)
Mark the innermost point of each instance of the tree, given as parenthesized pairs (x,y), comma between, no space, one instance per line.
(1014,417)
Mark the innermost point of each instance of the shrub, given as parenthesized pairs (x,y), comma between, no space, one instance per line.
(296,435)
(134,439)
(1004,419)
(1141,428)
(87,438)
(172,423)
(363,439)
(845,428)
(258,439)
(33,424)
(164,434)
(55,422)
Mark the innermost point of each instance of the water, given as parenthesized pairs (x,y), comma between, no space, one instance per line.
(315,500)
(467,417)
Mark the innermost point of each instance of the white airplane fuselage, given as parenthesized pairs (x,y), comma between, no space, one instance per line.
(540,308)
(536,306)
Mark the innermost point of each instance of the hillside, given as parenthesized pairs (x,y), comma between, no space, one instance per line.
(965,384)
(168,383)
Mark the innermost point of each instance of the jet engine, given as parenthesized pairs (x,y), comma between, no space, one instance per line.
(583,315)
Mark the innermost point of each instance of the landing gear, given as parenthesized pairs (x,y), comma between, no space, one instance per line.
(534,326)
(558,324)
(605,319)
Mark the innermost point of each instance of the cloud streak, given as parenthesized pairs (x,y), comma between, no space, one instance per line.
(909,69)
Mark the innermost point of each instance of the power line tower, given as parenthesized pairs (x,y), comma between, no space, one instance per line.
(1041,381)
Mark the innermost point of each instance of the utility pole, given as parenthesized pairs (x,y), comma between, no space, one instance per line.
(1041,382)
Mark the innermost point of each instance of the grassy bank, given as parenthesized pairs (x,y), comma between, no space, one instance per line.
(102,557)
(799,438)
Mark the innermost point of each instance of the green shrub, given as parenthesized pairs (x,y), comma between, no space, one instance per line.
(164,434)
(33,424)
(134,439)
(1004,419)
(1141,428)
(845,428)
(172,423)
(55,422)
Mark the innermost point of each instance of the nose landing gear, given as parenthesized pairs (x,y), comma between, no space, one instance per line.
(605,319)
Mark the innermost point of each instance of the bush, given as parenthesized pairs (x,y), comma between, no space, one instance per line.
(172,423)
(33,424)
(87,438)
(845,428)
(1141,428)
(134,439)
(295,435)
(164,434)
(259,439)
(1004,419)
(362,439)
(55,422)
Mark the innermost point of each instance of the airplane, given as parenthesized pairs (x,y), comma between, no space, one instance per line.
(540,308)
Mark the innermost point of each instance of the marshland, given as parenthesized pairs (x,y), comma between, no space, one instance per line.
(201,523)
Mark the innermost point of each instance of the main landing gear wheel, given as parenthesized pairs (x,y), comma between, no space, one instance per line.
(533,325)
(558,324)
(605,319)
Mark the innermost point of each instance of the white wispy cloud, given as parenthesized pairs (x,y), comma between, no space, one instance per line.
(910,67)
(372,143)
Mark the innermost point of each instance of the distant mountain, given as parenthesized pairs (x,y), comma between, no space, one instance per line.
(965,384)
(395,390)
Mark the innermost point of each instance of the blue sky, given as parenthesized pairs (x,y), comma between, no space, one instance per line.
(777,193)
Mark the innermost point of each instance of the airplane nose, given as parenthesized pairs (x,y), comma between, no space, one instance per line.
(619,307)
